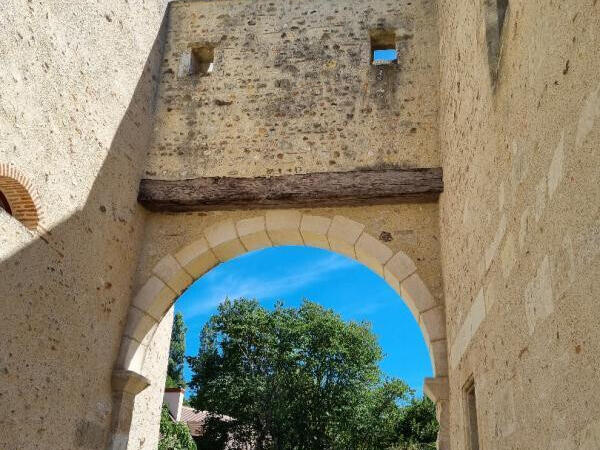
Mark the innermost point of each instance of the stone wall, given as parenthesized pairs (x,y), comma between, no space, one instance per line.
(76,90)
(293,89)
(520,222)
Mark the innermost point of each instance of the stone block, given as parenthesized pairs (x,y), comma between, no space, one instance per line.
(154,298)
(131,355)
(398,268)
(372,252)
(343,234)
(283,227)
(170,271)
(439,355)
(477,313)
(434,321)
(224,241)
(139,324)
(197,258)
(253,233)
(414,292)
(314,230)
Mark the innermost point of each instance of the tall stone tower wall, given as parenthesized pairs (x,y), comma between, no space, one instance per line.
(76,89)
(520,220)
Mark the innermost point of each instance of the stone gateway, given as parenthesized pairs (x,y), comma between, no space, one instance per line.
(142,143)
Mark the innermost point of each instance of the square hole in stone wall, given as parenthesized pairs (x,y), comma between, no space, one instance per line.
(383,47)
(202,60)
(470,409)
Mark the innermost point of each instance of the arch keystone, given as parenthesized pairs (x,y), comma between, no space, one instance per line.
(343,234)
(253,233)
(196,258)
(314,230)
(223,239)
(372,252)
(172,274)
(154,298)
(283,227)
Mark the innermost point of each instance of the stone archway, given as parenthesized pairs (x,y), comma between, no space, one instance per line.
(228,239)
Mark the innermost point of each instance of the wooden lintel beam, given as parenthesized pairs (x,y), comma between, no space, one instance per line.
(358,187)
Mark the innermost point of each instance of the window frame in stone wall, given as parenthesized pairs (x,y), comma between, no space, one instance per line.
(471,425)
(382,39)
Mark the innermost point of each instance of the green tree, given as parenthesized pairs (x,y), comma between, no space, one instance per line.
(296,378)
(174,435)
(418,425)
(176,353)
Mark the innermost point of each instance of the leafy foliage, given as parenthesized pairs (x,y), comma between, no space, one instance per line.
(176,353)
(301,378)
(174,435)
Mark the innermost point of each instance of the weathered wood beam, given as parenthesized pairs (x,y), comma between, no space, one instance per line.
(359,187)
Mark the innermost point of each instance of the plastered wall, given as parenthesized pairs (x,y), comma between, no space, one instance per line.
(293,90)
(520,222)
(76,91)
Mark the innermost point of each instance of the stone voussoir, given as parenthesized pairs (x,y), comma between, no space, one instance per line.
(172,274)
(224,241)
(283,227)
(314,230)
(372,252)
(343,234)
(154,298)
(253,233)
(196,258)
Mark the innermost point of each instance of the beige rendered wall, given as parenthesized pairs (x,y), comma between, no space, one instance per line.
(146,419)
(76,90)
(293,90)
(520,222)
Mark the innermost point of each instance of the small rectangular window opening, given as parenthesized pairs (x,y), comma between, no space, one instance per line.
(470,406)
(383,47)
(202,60)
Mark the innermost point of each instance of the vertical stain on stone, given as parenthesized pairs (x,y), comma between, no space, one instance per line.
(539,300)
(556,166)
(589,114)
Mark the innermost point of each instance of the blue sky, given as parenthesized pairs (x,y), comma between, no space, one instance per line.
(292,274)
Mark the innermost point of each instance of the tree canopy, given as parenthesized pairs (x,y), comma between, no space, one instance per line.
(176,353)
(302,378)
(174,435)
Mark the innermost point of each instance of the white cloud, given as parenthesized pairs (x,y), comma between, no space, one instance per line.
(265,285)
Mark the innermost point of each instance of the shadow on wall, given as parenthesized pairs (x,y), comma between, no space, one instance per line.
(64,298)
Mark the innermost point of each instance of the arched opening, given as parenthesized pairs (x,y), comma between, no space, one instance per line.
(16,198)
(221,242)
(4,203)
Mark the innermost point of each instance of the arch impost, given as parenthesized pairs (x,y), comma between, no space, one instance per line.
(128,381)
(437,389)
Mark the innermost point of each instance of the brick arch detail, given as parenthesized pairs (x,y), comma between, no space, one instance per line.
(21,196)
